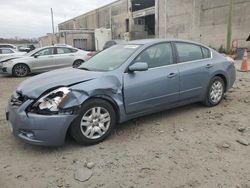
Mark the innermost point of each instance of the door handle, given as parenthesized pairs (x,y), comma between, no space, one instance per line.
(209,66)
(171,75)
(72,55)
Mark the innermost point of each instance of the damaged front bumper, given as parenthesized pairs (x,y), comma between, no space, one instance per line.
(37,129)
(4,69)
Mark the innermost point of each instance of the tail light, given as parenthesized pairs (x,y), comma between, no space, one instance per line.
(91,54)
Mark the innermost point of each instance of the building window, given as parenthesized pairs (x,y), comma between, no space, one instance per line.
(142,4)
(127,25)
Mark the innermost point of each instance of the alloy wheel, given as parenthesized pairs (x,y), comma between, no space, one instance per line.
(216,91)
(95,122)
(21,70)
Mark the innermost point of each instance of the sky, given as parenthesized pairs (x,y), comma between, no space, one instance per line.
(32,18)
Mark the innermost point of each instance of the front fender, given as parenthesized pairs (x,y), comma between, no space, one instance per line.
(109,88)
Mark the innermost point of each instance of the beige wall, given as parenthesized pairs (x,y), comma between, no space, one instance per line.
(101,18)
(204,20)
(68,38)
(48,40)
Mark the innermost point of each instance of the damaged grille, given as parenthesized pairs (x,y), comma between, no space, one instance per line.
(17,99)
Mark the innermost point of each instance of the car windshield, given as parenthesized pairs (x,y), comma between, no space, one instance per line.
(110,59)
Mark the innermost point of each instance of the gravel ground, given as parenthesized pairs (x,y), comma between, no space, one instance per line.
(190,146)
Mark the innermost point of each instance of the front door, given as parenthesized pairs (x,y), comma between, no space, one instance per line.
(43,60)
(158,86)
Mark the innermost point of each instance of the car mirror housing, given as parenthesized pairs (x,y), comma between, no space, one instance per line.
(138,66)
(36,56)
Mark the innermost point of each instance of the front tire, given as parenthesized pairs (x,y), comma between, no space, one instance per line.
(95,122)
(215,92)
(20,70)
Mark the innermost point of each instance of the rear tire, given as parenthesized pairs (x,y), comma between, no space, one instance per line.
(95,122)
(77,63)
(20,70)
(215,92)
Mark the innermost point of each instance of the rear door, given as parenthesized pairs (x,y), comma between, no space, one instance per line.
(193,71)
(43,60)
(158,86)
(64,57)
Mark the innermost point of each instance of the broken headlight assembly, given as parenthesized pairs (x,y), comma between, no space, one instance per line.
(51,102)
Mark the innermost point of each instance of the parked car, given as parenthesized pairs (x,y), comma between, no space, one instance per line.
(142,77)
(110,43)
(45,59)
(23,49)
(31,47)
(8,46)
(5,52)
(27,49)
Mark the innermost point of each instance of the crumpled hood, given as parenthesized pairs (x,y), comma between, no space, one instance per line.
(35,86)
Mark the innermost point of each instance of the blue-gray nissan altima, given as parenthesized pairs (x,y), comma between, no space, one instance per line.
(120,83)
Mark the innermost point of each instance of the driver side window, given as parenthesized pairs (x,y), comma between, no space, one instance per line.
(157,55)
(47,51)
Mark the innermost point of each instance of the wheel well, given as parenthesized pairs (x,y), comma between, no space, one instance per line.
(82,61)
(223,78)
(21,64)
(110,101)
(79,60)
(105,98)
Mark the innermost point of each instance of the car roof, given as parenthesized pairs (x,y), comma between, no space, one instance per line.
(118,40)
(7,48)
(5,44)
(153,41)
(56,47)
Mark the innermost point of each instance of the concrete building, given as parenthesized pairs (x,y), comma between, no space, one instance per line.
(48,39)
(211,22)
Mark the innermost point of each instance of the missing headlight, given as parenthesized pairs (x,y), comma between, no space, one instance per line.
(51,102)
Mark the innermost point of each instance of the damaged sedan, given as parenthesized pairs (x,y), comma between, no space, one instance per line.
(120,83)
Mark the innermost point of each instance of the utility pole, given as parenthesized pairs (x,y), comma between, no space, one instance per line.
(110,21)
(52,19)
(229,25)
(53,29)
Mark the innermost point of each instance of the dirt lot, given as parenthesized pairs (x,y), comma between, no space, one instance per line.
(191,146)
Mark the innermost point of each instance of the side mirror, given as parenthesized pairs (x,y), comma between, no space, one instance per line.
(36,56)
(139,66)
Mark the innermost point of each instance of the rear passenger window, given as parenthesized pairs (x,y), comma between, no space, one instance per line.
(188,52)
(63,50)
(206,52)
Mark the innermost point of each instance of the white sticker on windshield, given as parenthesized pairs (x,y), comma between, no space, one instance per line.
(131,46)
